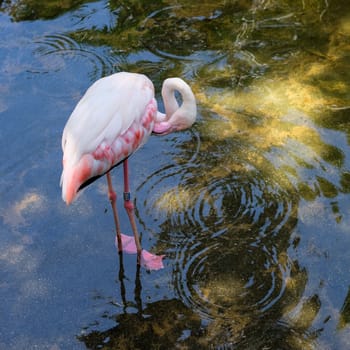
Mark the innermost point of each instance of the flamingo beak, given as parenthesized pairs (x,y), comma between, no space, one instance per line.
(163,128)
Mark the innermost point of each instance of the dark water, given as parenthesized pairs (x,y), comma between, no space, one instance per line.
(250,206)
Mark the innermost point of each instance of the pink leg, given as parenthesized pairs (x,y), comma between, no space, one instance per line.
(113,199)
(129,206)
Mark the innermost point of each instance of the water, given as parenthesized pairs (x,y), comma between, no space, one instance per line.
(250,206)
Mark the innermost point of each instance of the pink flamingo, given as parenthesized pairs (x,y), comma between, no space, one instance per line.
(113,119)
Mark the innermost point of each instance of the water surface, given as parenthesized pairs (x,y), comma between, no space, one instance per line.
(250,206)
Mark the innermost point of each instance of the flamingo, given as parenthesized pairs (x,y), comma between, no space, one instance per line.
(112,120)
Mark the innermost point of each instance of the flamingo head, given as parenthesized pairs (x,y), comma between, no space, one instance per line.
(177,117)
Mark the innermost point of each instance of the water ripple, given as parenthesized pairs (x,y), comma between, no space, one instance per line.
(226,230)
(55,50)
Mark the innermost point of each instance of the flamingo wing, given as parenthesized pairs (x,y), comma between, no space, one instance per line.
(106,111)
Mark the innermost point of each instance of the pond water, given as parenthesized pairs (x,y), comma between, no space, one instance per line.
(250,205)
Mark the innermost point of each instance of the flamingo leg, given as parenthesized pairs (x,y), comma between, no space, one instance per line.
(113,199)
(129,206)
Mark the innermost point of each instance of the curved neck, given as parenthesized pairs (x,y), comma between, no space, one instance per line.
(176,118)
(170,103)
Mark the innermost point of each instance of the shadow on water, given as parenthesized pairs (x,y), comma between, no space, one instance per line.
(242,204)
(159,324)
